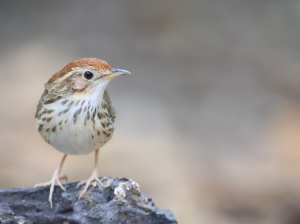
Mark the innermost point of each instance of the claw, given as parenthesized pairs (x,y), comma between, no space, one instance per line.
(55,180)
(88,182)
(81,183)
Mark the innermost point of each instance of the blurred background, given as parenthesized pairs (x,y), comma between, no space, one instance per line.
(209,121)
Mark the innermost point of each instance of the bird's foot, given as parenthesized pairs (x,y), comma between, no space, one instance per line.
(93,179)
(55,180)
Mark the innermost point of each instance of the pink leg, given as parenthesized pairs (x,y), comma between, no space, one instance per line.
(55,180)
(93,178)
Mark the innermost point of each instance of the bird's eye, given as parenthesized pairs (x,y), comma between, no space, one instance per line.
(88,75)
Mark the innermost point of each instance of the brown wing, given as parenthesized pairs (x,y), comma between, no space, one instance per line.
(40,105)
(46,98)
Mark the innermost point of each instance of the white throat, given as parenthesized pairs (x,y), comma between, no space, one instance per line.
(97,93)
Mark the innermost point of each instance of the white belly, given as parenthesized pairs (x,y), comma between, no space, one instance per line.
(78,139)
(76,136)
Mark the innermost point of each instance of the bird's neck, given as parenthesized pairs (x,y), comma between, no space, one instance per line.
(96,95)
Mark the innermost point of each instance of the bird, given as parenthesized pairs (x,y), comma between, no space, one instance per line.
(75,114)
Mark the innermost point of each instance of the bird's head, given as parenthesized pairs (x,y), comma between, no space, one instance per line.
(83,77)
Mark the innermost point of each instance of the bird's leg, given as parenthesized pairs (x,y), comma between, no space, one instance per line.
(55,180)
(93,178)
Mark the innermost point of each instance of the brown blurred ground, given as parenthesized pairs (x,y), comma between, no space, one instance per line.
(209,121)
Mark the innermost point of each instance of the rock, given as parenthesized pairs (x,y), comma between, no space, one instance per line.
(119,202)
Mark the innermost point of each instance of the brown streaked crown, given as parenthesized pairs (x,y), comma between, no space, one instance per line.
(92,63)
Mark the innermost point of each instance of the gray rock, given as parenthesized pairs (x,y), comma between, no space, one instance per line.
(120,201)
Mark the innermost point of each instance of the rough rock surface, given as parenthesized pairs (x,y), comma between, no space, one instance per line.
(121,201)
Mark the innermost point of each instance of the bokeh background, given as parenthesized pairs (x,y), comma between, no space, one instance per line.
(209,121)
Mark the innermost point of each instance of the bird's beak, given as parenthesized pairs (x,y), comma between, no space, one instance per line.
(116,72)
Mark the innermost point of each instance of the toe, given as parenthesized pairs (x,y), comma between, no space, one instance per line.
(63,177)
(43,184)
(91,181)
(60,185)
(88,183)
(82,193)
(81,183)
(99,182)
